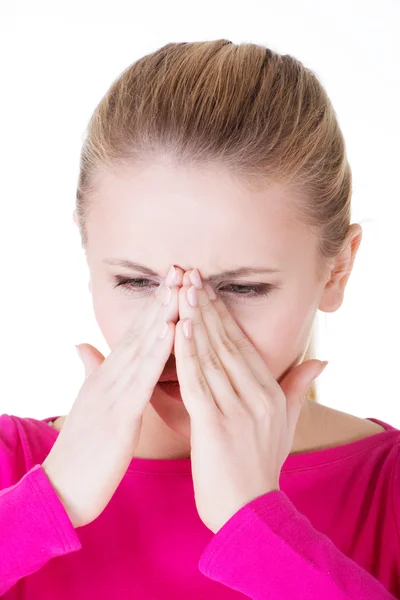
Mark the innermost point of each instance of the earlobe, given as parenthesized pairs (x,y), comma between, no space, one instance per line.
(331,300)
(75,218)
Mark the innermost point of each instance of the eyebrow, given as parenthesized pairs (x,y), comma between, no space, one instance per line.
(241,272)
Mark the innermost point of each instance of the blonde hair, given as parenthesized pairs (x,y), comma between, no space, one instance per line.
(263,116)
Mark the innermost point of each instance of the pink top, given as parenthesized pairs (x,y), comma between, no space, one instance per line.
(331,532)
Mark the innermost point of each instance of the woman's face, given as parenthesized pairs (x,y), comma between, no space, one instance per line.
(161,215)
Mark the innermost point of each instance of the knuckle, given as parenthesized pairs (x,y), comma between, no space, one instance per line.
(264,395)
(140,381)
(197,321)
(121,381)
(100,380)
(130,336)
(207,307)
(190,354)
(226,343)
(137,354)
(200,386)
(222,310)
(223,426)
(243,344)
(210,360)
(269,409)
(109,387)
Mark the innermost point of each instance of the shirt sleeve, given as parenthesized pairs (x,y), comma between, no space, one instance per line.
(396,495)
(269,550)
(34,527)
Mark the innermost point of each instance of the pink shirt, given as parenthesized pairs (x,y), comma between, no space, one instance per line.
(331,532)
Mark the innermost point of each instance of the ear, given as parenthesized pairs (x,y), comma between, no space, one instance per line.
(75,217)
(333,294)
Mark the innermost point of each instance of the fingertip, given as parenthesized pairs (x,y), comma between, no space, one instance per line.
(179,274)
(186,278)
(171,326)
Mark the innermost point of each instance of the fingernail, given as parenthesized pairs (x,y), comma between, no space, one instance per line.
(323,365)
(196,279)
(187,329)
(170,276)
(192,296)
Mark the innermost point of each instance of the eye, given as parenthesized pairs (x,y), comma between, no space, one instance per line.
(136,284)
(236,290)
(249,291)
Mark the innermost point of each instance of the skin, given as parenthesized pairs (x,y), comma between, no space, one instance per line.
(162,215)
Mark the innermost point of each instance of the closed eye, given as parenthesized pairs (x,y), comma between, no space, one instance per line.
(249,291)
(236,290)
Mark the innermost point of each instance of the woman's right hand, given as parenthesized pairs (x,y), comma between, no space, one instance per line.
(100,434)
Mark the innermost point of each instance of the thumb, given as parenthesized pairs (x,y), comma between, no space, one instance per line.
(90,356)
(296,384)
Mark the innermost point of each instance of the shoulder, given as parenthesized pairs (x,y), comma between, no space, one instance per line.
(396,491)
(9,436)
(10,449)
(24,442)
(335,427)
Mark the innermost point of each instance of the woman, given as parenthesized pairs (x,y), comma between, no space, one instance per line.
(217,175)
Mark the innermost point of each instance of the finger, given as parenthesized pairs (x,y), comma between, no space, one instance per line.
(173,277)
(211,367)
(143,329)
(144,380)
(126,360)
(178,276)
(134,384)
(195,390)
(248,390)
(224,330)
(186,280)
(156,300)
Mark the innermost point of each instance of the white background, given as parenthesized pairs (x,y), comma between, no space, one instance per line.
(57,61)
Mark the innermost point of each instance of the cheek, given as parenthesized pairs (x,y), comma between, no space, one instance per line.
(114,314)
(279,333)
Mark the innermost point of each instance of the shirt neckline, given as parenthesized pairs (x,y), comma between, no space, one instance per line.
(293,462)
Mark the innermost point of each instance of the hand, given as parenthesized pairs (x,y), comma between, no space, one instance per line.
(242,420)
(101,432)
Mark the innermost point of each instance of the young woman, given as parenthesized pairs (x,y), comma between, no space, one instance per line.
(214,204)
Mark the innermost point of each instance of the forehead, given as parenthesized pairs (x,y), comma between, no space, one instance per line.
(201,216)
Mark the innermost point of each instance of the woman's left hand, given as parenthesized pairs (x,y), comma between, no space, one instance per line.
(242,420)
